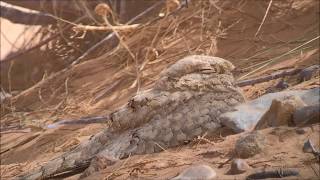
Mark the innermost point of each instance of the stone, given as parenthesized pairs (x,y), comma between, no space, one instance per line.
(238,166)
(300,131)
(249,145)
(307,115)
(197,172)
(280,112)
(307,73)
(246,115)
(308,147)
(282,84)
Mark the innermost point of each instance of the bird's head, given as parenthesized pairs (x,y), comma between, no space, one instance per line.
(194,70)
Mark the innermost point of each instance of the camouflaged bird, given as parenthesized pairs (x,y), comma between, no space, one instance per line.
(185,102)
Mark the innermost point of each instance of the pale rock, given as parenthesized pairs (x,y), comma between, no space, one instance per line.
(246,115)
(280,112)
(197,172)
(238,166)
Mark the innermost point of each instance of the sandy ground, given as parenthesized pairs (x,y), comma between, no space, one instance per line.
(101,85)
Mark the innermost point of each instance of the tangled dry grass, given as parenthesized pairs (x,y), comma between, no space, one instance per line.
(106,79)
(206,27)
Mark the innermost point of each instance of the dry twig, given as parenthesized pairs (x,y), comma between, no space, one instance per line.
(104,10)
(264,18)
(278,57)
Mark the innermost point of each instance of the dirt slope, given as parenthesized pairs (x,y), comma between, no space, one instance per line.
(220,28)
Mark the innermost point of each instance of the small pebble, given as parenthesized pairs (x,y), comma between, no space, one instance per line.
(238,166)
(282,85)
(197,172)
(307,73)
(300,131)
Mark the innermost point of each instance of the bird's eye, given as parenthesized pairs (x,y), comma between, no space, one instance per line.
(207,71)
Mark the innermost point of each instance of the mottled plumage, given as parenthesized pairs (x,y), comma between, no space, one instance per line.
(185,102)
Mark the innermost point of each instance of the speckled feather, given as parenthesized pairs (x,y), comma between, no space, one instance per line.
(185,102)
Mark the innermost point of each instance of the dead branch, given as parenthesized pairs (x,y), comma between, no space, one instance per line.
(275,75)
(111,38)
(104,14)
(264,18)
(105,28)
(278,57)
(20,53)
(85,120)
(23,17)
(67,9)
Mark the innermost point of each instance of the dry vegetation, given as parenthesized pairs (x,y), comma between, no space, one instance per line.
(258,37)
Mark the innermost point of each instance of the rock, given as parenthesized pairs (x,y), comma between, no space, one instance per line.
(246,115)
(280,112)
(300,131)
(307,115)
(238,166)
(307,73)
(197,172)
(282,84)
(249,145)
(308,147)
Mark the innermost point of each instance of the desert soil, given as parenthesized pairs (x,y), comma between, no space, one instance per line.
(98,86)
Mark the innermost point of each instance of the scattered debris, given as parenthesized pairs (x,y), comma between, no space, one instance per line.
(249,145)
(197,172)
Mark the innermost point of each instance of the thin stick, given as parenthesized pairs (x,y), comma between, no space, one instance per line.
(39,44)
(106,28)
(146,58)
(110,36)
(123,44)
(275,75)
(264,18)
(160,146)
(278,57)
(263,62)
